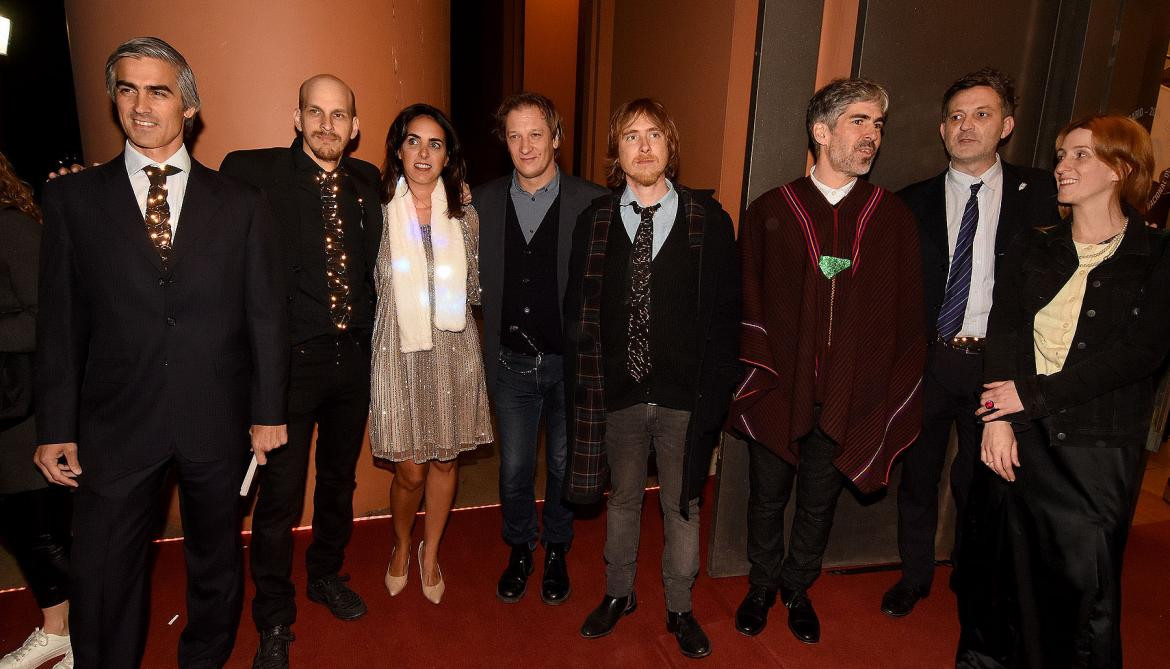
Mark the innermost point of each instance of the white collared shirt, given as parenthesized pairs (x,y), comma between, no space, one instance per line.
(958,191)
(833,195)
(176,183)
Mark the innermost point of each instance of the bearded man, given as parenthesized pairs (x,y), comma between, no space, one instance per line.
(652,317)
(329,213)
(832,334)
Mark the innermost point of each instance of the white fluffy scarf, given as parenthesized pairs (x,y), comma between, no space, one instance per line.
(408,262)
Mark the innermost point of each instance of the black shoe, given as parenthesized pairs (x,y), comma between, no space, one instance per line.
(752,614)
(554,587)
(603,618)
(900,599)
(514,580)
(343,603)
(802,618)
(691,639)
(273,650)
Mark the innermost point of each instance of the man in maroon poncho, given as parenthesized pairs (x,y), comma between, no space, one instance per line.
(833,340)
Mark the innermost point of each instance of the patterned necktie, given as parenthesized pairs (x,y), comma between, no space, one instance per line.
(950,316)
(158,212)
(336,275)
(638,359)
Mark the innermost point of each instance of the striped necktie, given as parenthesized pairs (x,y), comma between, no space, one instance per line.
(954,306)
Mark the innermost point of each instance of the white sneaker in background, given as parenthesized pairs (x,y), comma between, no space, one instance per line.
(36,650)
(66,662)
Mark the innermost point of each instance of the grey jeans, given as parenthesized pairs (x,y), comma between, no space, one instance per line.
(629,435)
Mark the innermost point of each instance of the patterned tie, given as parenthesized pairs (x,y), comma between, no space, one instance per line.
(336,274)
(950,316)
(158,212)
(638,359)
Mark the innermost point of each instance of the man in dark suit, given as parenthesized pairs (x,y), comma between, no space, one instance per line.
(161,315)
(966,217)
(326,204)
(526,232)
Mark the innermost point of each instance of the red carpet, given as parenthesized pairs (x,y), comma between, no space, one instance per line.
(471,628)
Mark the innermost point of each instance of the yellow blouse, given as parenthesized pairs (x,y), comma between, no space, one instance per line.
(1056,323)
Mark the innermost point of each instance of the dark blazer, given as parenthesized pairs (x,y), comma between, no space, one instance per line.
(135,364)
(491,202)
(715,268)
(1029,200)
(272,171)
(1103,395)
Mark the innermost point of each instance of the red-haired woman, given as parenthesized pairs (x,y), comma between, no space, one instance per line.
(34,516)
(1081,318)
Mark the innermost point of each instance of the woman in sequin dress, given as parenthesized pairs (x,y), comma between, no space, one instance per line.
(428,400)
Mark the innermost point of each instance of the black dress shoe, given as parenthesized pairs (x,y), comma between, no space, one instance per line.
(802,618)
(691,639)
(273,650)
(343,603)
(752,614)
(603,618)
(514,580)
(554,587)
(900,599)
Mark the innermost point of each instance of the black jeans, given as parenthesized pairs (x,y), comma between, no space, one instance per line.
(950,395)
(818,485)
(329,387)
(34,525)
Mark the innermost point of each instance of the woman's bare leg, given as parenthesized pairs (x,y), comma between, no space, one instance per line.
(440,495)
(406,491)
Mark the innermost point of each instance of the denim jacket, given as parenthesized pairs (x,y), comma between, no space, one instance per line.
(1103,395)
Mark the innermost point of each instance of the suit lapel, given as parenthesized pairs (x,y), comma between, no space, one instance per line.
(121,209)
(566,220)
(1010,207)
(200,202)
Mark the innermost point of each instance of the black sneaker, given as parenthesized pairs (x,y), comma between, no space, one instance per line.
(343,603)
(273,650)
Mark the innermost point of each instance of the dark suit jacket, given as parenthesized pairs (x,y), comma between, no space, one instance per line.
(491,202)
(273,170)
(1029,201)
(135,364)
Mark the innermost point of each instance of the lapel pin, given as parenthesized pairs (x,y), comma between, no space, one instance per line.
(1023,185)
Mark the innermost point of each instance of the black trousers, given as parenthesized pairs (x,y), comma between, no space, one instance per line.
(950,396)
(34,525)
(818,485)
(112,524)
(329,388)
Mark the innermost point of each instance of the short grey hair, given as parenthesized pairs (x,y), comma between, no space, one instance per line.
(153,47)
(828,104)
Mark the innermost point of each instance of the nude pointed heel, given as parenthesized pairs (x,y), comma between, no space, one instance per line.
(395,584)
(433,593)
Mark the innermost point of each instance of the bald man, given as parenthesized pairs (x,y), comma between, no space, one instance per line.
(319,196)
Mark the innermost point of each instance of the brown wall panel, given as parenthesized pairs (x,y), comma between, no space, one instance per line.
(550,62)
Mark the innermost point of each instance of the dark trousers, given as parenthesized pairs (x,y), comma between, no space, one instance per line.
(630,435)
(951,388)
(525,388)
(112,523)
(818,485)
(329,387)
(34,525)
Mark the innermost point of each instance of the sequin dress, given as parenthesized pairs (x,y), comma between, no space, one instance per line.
(427,405)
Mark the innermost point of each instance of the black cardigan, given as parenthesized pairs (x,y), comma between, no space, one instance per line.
(1103,396)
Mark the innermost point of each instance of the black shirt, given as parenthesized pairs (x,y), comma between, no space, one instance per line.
(309,316)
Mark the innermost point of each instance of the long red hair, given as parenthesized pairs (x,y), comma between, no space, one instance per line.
(15,193)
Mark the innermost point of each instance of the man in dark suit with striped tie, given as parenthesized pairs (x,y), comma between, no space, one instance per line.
(966,217)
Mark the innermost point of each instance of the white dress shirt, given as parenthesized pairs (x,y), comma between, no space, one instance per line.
(176,183)
(833,195)
(958,191)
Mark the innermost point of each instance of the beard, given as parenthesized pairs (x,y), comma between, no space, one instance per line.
(327,151)
(850,160)
(646,176)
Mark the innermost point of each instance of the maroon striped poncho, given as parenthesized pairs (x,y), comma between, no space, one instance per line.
(853,344)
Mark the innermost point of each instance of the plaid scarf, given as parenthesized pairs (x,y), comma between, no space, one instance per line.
(588,468)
